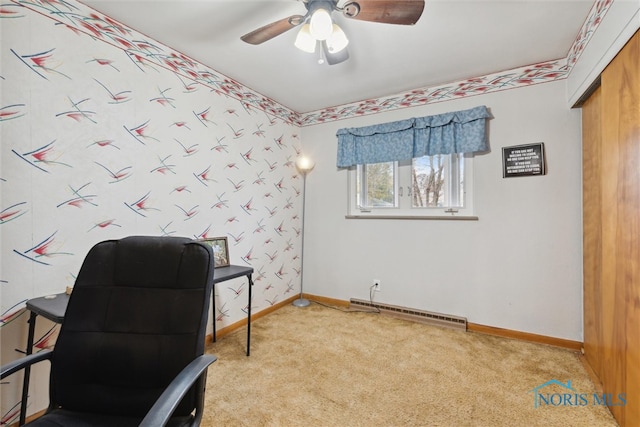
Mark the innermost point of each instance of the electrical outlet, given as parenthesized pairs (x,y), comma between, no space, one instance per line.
(376,285)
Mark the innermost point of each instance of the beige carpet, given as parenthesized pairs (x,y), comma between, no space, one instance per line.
(317,366)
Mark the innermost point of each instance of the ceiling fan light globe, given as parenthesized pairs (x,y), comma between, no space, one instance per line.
(304,40)
(338,40)
(321,26)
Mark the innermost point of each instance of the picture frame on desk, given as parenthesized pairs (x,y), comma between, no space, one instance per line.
(220,247)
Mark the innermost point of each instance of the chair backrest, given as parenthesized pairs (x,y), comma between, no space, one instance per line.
(137,315)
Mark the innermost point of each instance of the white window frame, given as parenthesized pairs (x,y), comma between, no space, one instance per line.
(402,189)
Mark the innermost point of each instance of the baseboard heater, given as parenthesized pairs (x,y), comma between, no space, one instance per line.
(405,313)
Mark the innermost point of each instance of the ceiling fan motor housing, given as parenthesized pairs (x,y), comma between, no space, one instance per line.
(313,5)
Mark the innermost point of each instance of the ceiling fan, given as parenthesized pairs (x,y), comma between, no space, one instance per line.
(319,30)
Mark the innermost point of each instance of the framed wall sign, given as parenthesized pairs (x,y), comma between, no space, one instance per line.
(523,160)
(220,250)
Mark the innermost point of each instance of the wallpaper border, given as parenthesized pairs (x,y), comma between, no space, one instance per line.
(140,48)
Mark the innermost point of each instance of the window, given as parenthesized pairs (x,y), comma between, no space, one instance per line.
(429,186)
(414,168)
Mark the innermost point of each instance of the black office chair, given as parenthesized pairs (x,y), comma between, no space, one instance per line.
(130,350)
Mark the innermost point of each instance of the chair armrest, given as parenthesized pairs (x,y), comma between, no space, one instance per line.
(161,411)
(17,365)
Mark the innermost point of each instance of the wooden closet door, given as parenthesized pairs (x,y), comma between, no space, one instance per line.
(611,200)
(621,223)
(594,333)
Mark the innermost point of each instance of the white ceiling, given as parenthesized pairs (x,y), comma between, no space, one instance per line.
(453,40)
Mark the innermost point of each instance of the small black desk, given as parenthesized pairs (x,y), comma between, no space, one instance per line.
(53,307)
(222,274)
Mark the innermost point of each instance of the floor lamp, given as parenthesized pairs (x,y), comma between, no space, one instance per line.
(304,166)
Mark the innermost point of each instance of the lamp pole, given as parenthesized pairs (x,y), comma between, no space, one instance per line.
(304,165)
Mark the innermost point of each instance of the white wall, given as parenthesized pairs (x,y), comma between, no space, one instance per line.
(517,267)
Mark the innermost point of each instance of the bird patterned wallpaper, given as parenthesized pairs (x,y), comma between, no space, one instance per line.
(107,134)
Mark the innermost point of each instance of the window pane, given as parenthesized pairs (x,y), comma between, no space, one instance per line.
(376,185)
(428,181)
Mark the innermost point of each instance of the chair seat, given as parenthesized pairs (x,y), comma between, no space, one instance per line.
(63,418)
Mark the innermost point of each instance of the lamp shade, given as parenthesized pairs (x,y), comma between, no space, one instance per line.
(304,40)
(337,41)
(321,26)
(304,164)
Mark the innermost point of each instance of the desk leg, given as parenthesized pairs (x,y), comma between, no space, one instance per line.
(27,370)
(213,310)
(249,315)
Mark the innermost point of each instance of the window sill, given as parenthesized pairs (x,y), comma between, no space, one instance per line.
(429,217)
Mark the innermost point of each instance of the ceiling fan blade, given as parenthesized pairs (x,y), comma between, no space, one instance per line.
(272,30)
(402,12)
(334,58)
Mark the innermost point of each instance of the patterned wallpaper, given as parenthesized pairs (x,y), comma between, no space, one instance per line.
(101,141)
(97,143)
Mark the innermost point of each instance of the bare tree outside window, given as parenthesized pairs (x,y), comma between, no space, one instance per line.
(428,181)
(429,185)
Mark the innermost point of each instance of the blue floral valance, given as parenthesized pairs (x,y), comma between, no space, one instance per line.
(456,132)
